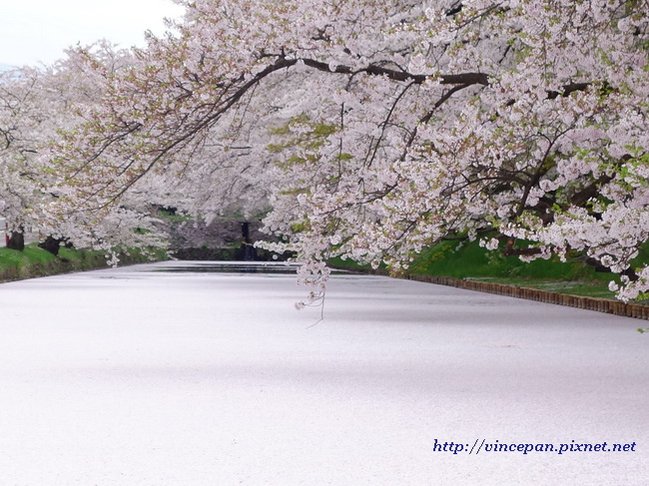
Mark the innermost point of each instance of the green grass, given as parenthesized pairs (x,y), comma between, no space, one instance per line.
(172,216)
(74,255)
(31,255)
(593,288)
(467,260)
(338,262)
(36,262)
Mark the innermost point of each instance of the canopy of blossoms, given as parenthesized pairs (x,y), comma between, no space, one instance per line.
(370,129)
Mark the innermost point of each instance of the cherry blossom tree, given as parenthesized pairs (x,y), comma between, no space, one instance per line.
(373,129)
(36,104)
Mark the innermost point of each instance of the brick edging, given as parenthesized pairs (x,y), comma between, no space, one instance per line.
(608,306)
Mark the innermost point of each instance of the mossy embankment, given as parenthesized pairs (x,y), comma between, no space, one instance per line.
(36,262)
(468,261)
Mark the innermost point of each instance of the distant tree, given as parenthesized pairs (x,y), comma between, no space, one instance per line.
(36,105)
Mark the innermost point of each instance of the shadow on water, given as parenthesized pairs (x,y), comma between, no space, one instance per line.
(233,267)
(216,267)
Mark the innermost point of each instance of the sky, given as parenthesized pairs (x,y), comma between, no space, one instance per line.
(37,31)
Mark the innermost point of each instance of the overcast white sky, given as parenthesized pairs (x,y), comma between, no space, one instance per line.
(33,31)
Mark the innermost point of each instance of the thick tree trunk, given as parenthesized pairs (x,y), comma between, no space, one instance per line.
(629,272)
(248,252)
(51,244)
(16,241)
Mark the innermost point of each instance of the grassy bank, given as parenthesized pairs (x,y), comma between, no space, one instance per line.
(36,262)
(469,261)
